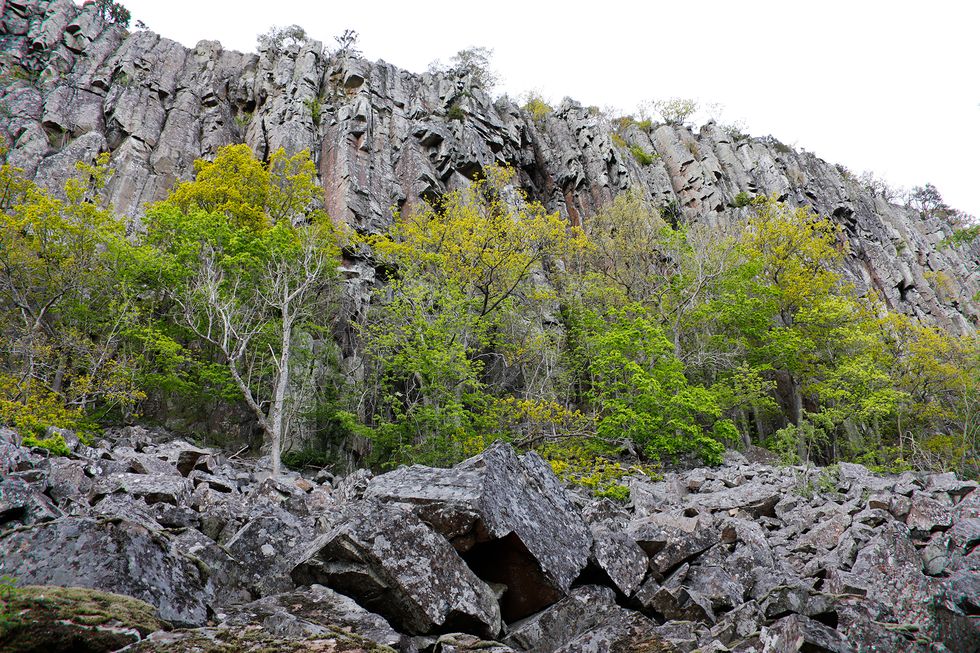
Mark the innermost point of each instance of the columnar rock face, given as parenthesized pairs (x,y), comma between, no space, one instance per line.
(384,137)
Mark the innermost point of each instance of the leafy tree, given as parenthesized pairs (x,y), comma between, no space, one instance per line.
(675,111)
(112,12)
(278,38)
(62,332)
(460,310)
(475,62)
(247,260)
(640,393)
(347,44)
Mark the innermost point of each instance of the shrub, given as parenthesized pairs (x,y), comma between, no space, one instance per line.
(618,140)
(735,131)
(243,119)
(590,464)
(315,107)
(32,416)
(455,112)
(743,199)
(279,38)
(675,111)
(537,107)
(642,157)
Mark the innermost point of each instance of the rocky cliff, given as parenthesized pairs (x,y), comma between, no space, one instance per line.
(174,547)
(74,86)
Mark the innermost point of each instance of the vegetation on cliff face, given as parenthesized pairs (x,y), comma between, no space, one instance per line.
(495,320)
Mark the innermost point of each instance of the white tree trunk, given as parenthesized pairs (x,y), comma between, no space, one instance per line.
(277,412)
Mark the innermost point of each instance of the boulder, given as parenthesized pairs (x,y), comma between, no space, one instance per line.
(112,556)
(314,610)
(254,639)
(507,514)
(152,488)
(928,514)
(798,633)
(624,630)
(69,620)
(392,563)
(671,539)
(21,503)
(754,498)
(268,547)
(584,609)
(464,643)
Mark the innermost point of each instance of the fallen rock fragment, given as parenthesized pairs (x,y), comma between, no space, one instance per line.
(392,563)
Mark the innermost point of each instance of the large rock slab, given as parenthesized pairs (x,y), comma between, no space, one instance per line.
(507,514)
(393,564)
(70,620)
(113,556)
(798,633)
(268,547)
(315,610)
(254,639)
(588,619)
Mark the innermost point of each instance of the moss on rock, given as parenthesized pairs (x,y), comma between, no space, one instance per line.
(44,619)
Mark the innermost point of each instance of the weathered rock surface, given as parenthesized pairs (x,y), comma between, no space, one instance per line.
(384,137)
(507,514)
(741,557)
(393,563)
(316,610)
(114,556)
(59,620)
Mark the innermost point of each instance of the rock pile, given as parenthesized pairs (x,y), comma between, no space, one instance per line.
(492,555)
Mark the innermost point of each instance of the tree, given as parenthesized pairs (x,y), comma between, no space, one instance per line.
(475,62)
(62,333)
(462,311)
(278,38)
(675,111)
(347,44)
(112,12)
(247,260)
(640,392)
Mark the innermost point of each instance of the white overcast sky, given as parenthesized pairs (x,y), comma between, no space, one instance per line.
(887,86)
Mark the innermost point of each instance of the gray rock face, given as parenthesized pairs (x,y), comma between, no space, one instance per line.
(383,137)
(394,564)
(120,557)
(316,610)
(507,514)
(703,560)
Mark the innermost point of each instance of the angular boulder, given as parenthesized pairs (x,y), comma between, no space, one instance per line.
(798,633)
(112,556)
(314,610)
(393,564)
(268,547)
(507,514)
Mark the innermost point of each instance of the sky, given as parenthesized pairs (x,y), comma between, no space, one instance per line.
(887,86)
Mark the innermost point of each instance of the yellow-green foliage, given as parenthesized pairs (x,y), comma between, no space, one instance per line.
(618,140)
(247,191)
(537,107)
(32,416)
(591,464)
(464,286)
(64,302)
(642,157)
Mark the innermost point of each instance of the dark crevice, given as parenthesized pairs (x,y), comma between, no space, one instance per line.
(506,561)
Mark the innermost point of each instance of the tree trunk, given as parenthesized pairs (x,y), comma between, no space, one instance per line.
(796,415)
(277,411)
